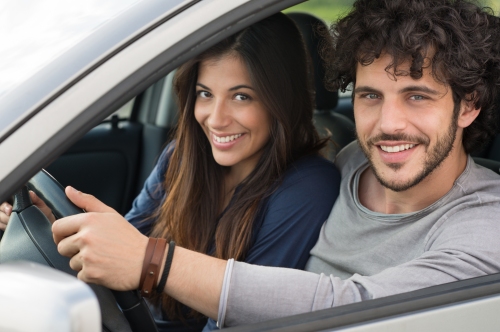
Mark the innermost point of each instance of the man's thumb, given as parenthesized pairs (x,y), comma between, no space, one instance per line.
(85,201)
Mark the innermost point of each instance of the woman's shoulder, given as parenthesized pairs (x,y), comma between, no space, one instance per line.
(311,171)
(312,166)
(164,157)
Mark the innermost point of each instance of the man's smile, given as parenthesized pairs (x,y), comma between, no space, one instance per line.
(396,148)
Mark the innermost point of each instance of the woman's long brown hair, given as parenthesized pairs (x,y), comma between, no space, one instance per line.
(274,54)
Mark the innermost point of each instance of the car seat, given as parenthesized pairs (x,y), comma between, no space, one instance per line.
(488,155)
(326,120)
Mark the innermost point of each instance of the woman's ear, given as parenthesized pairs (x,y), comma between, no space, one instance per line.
(468,113)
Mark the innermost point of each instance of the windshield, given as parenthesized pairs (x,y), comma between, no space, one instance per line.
(49,45)
(33,32)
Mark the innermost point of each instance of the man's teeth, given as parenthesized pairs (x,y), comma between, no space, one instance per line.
(226,138)
(396,148)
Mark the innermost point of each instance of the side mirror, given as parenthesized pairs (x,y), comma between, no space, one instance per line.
(34,297)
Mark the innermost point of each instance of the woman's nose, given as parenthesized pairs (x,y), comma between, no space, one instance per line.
(219,116)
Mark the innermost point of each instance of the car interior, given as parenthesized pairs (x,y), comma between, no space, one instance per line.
(113,160)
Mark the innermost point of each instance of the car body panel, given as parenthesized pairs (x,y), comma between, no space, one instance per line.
(54,301)
(454,306)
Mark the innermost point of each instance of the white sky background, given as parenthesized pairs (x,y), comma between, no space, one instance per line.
(33,32)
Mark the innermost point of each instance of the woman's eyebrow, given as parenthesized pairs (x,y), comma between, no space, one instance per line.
(203,86)
(241,86)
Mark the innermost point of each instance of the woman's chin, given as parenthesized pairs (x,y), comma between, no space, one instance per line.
(225,161)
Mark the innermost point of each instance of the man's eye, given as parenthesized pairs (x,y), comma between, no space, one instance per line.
(417,97)
(241,97)
(371,96)
(203,94)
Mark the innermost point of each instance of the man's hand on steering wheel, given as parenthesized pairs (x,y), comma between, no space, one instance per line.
(104,248)
(6,210)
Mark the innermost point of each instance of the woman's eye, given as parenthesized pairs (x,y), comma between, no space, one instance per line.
(203,94)
(241,97)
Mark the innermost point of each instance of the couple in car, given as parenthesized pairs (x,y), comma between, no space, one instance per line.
(237,204)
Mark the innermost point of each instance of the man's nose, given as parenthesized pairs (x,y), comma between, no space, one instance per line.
(219,116)
(393,118)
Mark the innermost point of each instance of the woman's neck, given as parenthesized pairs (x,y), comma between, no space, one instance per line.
(235,175)
(230,183)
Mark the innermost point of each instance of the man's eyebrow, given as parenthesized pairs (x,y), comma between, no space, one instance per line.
(366,89)
(420,88)
(411,88)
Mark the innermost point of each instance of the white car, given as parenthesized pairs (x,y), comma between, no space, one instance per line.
(97,116)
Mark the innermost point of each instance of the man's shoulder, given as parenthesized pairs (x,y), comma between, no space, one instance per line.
(479,180)
(475,204)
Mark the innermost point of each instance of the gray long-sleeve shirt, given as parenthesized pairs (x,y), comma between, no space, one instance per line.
(363,255)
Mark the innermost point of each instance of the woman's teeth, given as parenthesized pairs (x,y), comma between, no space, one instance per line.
(226,138)
(396,148)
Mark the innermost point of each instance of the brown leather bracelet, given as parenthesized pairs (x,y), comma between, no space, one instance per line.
(153,269)
(147,259)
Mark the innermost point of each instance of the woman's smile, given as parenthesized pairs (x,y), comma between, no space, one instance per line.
(225,142)
(225,138)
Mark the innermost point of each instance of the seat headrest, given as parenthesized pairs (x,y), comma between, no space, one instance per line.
(307,24)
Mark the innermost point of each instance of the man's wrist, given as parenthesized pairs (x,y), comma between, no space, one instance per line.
(165,268)
(152,265)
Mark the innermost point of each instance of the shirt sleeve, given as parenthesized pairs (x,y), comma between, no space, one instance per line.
(463,247)
(292,218)
(151,195)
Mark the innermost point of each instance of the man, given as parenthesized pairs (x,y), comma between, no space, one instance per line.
(414,209)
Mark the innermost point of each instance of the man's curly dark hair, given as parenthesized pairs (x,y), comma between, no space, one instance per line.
(461,39)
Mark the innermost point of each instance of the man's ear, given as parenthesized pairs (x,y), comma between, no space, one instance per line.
(468,113)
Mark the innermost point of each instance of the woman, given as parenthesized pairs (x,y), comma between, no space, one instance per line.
(242,178)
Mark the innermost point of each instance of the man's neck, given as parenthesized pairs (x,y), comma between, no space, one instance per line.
(380,199)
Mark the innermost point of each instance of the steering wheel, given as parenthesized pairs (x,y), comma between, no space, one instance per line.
(28,236)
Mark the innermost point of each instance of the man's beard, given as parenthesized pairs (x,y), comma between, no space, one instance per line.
(435,157)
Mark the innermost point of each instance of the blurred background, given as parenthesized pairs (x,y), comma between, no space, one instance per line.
(331,10)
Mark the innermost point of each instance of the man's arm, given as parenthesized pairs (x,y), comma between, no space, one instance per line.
(105,249)
(196,280)
(461,246)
